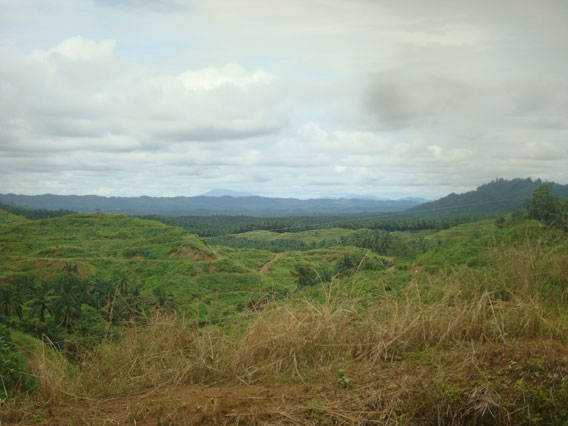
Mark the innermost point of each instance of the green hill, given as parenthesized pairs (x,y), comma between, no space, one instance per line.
(205,280)
(6,217)
(35,213)
(498,196)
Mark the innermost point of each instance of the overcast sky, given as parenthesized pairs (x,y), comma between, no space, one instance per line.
(281,98)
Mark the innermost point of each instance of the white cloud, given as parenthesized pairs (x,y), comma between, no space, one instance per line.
(464,35)
(77,49)
(232,74)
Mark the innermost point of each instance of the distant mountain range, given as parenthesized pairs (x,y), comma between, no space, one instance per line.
(498,196)
(205,205)
(221,192)
(227,193)
(373,197)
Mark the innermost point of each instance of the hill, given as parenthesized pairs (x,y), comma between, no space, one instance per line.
(107,318)
(146,254)
(206,279)
(34,214)
(6,217)
(202,205)
(468,330)
(498,196)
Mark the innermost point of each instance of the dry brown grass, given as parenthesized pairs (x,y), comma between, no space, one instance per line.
(51,373)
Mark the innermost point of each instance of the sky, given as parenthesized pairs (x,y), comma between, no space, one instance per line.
(295,98)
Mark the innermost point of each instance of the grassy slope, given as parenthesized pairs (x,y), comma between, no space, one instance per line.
(8,218)
(211,281)
(305,236)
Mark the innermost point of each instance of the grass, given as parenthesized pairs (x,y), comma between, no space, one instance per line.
(472,331)
(478,345)
(151,254)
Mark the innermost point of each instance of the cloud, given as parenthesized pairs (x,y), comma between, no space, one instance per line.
(402,99)
(77,49)
(231,74)
(281,98)
(80,91)
(160,6)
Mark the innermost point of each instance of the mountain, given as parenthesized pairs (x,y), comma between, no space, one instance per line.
(498,196)
(204,205)
(354,197)
(226,193)
(416,199)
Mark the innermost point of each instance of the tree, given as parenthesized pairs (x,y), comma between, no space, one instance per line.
(306,275)
(68,297)
(9,301)
(162,299)
(545,207)
(40,302)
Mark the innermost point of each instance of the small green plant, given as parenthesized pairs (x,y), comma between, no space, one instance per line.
(343,381)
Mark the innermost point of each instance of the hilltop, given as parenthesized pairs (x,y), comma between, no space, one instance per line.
(498,196)
(6,217)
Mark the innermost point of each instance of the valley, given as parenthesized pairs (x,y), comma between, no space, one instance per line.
(111,319)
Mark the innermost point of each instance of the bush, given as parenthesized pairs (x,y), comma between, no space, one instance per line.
(308,276)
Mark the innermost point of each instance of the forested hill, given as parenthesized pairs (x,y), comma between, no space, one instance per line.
(498,196)
(201,205)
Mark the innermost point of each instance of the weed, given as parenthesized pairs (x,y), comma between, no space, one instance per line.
(343,381)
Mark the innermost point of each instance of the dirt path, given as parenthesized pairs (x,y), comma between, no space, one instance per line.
(265,267)
(182,405)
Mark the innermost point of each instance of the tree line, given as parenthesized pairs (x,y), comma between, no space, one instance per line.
(220,225)
(35,214)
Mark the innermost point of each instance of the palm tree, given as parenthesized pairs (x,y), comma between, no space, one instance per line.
(163,300)
(40,302)
(123,284)
(67,300)
(23,287)
(9,301)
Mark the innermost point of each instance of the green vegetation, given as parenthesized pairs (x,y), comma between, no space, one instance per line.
(33,214)
(547,208)
(499,196)
(464,323)
(221,226)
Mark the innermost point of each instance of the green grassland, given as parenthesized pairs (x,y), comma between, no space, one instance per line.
(208,280)
(204,278)
(6,217)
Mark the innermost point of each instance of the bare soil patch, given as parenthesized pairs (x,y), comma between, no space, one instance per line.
(185,405)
